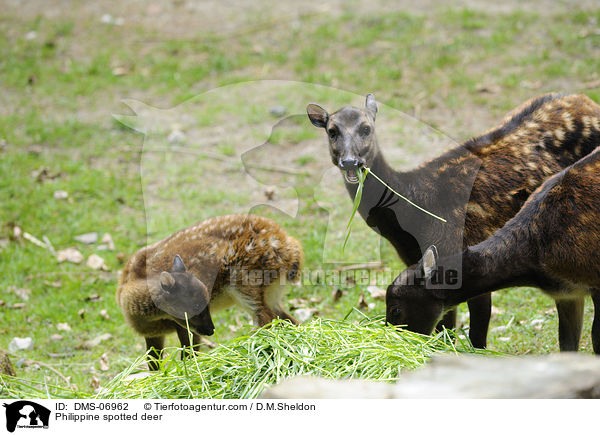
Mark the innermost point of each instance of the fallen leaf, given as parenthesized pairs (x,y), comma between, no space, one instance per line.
(70,254)
(56,337)
(205,341)
(362,303)
(87,238)
(22,293)
(35,240)
(531,85)
(55,284)
(96,262)
(62,355)
(94,298)
(95,383)
(108,241)
(81,313)
(303,314)
(104,314)
(297,303)
(376,292)
(17,232)
(119,71)
(103,362)
(63,327)
(497,311)
(18,305)
(94,342)
(488,89)
(121,257)
(42,174)
(176,137)
(270,193)
(336,294)
(61,194)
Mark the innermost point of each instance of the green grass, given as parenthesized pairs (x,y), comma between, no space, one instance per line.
(60,89)
(243,367)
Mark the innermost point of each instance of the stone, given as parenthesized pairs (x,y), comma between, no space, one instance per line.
(18,343)
(87,238)
(555,376)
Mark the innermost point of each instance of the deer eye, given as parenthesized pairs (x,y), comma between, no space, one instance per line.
(365,130)
(332,132)
(395,313)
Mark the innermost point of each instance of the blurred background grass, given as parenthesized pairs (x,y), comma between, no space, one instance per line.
(65,67)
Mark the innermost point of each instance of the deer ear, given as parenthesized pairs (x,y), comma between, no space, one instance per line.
(166,281)
(371,105)
(178,265)
(317,115)
(429,261)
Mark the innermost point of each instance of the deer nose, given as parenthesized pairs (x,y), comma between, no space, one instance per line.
(348,164)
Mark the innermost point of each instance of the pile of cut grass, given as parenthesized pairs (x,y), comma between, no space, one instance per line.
(243,367)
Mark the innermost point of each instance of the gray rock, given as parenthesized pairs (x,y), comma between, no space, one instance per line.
(277,111)
(87,238)
(564,376)
(18,343)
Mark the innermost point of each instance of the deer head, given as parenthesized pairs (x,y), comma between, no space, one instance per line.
(351,132)
(409,302)
(181,294)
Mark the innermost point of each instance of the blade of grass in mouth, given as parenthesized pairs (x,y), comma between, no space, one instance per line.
(357,197)
(367,170)
(362,174)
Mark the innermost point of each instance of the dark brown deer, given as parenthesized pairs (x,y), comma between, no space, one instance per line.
(552,243)
(235,259)
(477,186)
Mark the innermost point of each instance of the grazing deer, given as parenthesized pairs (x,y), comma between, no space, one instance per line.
(219,262)
(477,186)
(552,243)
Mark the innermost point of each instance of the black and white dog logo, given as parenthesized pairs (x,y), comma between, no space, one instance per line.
(26,414)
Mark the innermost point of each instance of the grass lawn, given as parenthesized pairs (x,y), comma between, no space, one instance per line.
(438,74)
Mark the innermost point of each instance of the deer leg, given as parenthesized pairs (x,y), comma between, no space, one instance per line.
(284,315)
(448,321)
(480,310)
(596,324)
(570,319)
(154,346)
(264,315)
(273,301)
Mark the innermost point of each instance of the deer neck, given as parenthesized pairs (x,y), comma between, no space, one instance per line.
(491,265)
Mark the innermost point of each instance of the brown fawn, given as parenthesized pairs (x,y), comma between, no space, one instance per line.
(477,186)
(225,260)
(552,243)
